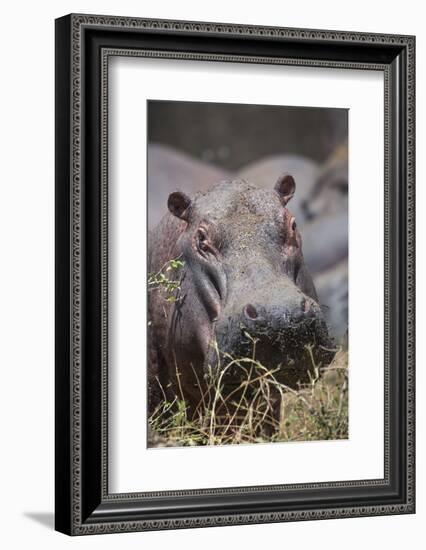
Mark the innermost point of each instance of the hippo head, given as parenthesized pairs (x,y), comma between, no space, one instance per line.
(244,279)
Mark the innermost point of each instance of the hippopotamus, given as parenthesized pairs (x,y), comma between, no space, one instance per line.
(169,169)
(325,211)
(332,289)
(329,194)
(326,241)
(305,171)
(241,278)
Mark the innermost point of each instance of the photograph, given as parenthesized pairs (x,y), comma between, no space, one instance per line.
(247,213)
(235,274)
(210,298)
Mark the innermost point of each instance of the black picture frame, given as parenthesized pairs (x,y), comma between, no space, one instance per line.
(83,45)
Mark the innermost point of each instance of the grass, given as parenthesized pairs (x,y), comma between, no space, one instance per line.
(162,281)
(260,409)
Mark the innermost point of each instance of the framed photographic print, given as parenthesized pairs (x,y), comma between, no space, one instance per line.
(234,274)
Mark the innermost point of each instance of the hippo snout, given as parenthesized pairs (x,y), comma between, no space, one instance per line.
(285,335)
(284,329)
(282,316)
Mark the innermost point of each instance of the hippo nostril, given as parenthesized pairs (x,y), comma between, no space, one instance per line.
(306,305)
(308,308)
(304,311)
(250,311)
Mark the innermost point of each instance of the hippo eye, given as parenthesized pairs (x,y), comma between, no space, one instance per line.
(202,239)
(293,225)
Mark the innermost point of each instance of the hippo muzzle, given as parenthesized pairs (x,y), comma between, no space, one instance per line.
(282,329)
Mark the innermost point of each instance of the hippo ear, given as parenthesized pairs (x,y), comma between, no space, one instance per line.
(285,187)
(178,204)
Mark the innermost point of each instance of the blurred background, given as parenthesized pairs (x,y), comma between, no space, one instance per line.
(191,146)
(233,135)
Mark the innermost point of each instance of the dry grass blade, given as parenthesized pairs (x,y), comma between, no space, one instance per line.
(259,409)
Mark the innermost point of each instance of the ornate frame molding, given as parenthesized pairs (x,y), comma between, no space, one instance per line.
(72,45)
